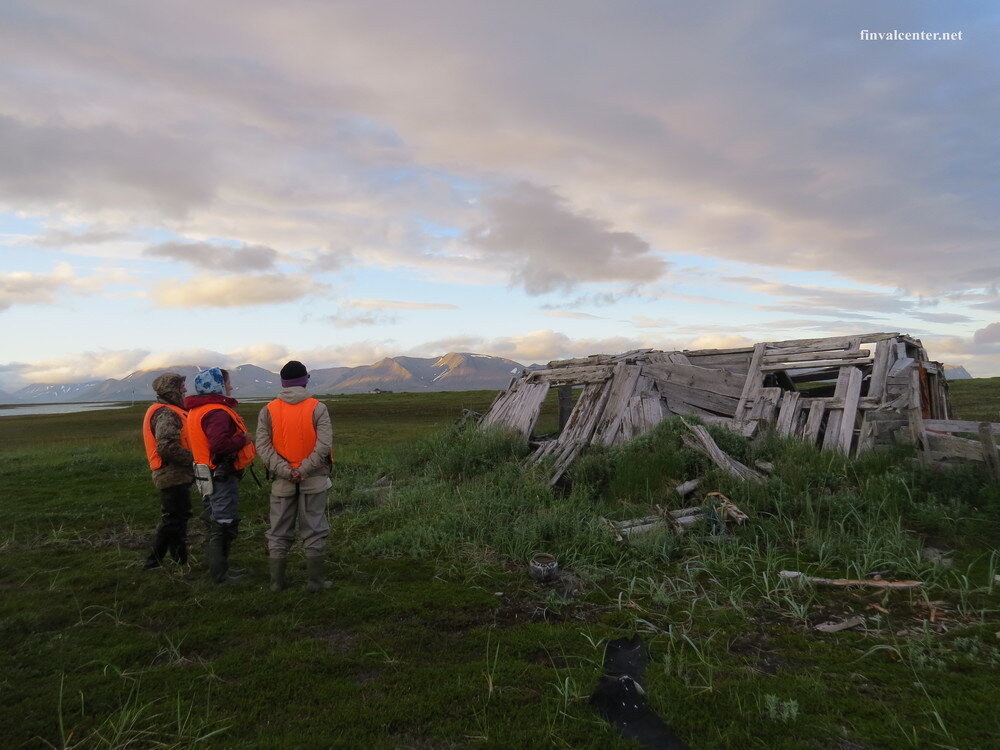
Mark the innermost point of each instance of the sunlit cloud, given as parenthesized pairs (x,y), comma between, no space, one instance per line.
(213,257)
(235,291)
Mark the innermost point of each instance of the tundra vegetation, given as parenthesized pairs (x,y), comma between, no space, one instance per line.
(434,636)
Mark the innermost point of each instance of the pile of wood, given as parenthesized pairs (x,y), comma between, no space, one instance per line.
(849,394)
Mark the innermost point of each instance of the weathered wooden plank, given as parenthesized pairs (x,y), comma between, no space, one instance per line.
(753,383)
(915,414)
(771,356)
(835,342)
(814,421)
(815,364)
(679,398)
(989,448)
(956,447)
(900,366)
(867,434)
(718,352)
(622,388)
(850,412)
(701,440)
(573,375)
(832,435)
(766,406)
(520,411)
(788,411)
(702,378)
(883,353)
(630,356)
(593,359)
(959,425)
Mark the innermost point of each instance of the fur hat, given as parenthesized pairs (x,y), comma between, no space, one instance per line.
(210,381)
(170,388)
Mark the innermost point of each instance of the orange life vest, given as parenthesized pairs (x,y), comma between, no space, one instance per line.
(149,439)
(293,433)
(199,440)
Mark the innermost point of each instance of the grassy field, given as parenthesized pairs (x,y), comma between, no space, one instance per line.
(433,635)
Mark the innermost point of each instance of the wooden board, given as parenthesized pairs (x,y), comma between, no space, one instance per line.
(849,415)
(702,378)
(958,425)
(788,413)
(754,382)
(520,409)
(622,388)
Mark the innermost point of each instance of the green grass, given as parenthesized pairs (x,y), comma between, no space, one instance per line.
(433,635)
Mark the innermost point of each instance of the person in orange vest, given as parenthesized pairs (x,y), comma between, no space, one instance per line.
(295,440)
(220,441)
(164,435)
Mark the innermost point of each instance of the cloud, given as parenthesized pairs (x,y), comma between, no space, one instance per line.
(212,257)
(988,336)
(571,315)
(25,288)
(66,238)
(549,247)
(941,317)
(82,367)
(388,304)
(93,168)
(641,321)
(342,320)
(236,291)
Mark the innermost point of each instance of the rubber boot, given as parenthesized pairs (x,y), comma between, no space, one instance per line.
(179,551)
(229,534)
(160,545)
(314,569)
(277,566)
(217,552)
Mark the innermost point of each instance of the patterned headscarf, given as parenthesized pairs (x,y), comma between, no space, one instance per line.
(209,381)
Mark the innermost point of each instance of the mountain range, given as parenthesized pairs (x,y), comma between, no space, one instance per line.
(456,371)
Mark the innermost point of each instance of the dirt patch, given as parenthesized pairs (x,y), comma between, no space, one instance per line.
(338,641)
(756,649)
(367,676)
(518,611)
(548,659)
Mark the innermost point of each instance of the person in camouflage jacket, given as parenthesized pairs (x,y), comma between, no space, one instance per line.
(174,478)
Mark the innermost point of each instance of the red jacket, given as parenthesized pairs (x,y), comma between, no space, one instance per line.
(223,436)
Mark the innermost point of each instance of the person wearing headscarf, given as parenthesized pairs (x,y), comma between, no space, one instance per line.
(220,442)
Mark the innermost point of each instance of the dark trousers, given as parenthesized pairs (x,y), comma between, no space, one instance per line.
(171,534)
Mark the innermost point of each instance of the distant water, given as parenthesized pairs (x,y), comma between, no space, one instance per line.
(21,411)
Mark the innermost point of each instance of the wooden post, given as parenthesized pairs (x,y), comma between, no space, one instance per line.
(990,450)
(565,405)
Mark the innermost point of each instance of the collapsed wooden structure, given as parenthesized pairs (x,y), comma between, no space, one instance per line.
(849,394)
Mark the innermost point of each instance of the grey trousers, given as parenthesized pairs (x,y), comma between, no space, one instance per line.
(310,511)
(223,505)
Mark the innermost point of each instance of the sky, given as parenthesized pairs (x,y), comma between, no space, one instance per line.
(336,182)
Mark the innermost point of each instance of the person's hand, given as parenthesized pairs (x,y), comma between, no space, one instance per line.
(296,476)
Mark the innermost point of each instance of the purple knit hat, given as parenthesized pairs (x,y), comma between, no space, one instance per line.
(293,374)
